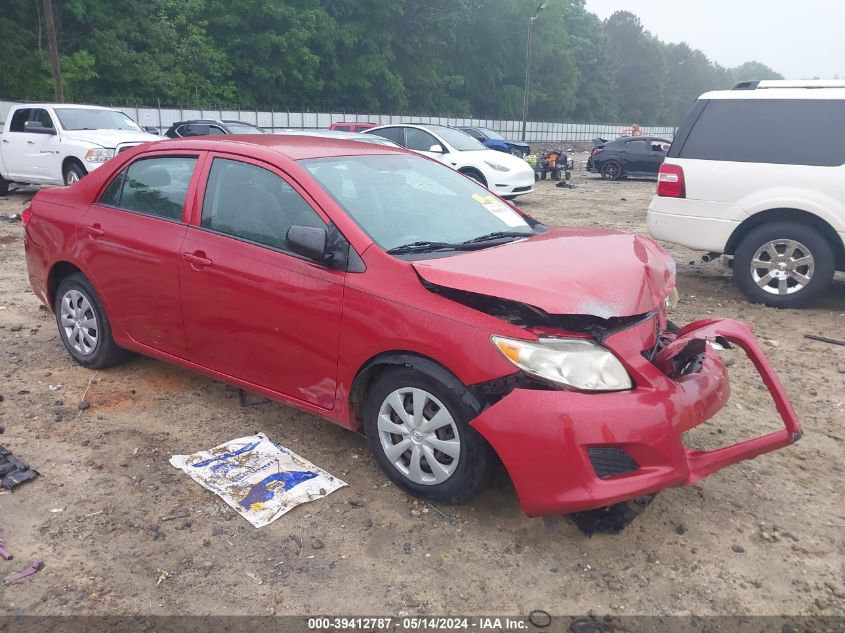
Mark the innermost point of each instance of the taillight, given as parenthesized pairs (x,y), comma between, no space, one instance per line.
(26,216)
(595,151)
(670,182)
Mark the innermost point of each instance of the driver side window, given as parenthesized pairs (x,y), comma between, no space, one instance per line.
(419,140)
(251,203)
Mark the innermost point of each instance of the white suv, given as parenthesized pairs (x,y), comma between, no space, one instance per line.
(758,173)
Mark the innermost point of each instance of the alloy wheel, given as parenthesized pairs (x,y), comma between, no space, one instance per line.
(419,436)
(782,267)
(79,322)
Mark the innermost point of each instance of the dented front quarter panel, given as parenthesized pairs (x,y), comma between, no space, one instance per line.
(595,272)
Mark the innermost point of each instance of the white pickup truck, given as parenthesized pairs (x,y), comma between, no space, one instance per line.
(54,144)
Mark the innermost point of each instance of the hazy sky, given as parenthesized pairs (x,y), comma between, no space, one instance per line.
(799,40)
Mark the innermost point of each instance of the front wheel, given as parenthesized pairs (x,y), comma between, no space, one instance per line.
(784,264)
(418,431)
(74,172)
(476,176)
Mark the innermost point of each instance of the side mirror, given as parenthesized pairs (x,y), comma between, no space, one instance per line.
(36,127)
(149,129)
(308,241)
(437,148)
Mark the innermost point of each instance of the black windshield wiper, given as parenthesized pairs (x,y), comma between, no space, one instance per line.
(496,235)
(421,247)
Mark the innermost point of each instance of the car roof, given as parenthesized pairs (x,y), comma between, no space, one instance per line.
(782,89)
(294,146)
(65,105)
(640,138)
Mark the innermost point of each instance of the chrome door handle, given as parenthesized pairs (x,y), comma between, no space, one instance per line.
(95,230)
(30,142)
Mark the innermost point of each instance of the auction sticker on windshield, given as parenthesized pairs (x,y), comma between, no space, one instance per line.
(498,208)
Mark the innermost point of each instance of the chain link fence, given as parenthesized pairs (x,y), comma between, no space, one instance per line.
(537,132)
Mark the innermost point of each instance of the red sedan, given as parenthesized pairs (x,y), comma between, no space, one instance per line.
(394,296)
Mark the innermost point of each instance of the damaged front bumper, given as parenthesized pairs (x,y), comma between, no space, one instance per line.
(568,451)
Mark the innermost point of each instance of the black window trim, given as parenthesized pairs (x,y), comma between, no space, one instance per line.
(122,174)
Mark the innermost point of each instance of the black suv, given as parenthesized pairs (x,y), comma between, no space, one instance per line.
(210,127)
(638,156)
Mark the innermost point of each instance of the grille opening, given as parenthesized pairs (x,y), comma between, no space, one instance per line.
(611,462)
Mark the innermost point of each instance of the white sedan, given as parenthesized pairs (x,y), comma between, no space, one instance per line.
(504,174)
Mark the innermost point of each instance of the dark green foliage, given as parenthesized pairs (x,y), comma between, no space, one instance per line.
(459,57)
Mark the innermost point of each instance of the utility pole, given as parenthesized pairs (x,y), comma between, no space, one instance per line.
(528,68)
(53,48)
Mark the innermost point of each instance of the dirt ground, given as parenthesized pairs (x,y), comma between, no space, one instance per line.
(761,537)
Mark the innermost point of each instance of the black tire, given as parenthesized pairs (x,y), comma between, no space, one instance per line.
(73,170)
(808,238)
(476,176)
(611,170)
(4,186)
(105,352)
(476,461)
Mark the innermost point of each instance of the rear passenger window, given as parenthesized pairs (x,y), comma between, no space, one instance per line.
(780,131)
(638,147)
(254,204)
(395,134)
(152,186)
(19,118)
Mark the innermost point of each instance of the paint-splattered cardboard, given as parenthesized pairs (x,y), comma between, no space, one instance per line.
(259,479)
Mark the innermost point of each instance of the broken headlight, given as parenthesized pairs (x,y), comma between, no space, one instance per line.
(576,363)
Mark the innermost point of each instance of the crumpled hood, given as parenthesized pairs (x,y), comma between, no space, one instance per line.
(110,138)
(596,272)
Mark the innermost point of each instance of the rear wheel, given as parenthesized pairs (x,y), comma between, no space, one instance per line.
(611,170)
(83,324)
(4,186)
(784,264)
(418,430)
(74,172)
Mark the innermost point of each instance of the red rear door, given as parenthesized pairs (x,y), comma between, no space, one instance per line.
(130,240)
(252,309)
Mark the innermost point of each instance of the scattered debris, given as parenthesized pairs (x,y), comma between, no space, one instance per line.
(11,218)
(539,618)
(54,387)
(162,576)
(611,519)
(739,549)
(257,478)
(13,471)
(824,339)
(35,565)
(4,553)
(184,515)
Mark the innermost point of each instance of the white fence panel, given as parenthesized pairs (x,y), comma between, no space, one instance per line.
(536,131)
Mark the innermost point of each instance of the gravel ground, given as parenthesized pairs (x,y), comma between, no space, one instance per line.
(122,532)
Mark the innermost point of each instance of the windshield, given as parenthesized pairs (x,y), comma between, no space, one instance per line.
(244,128)
(400,200)
(89,119)
(458,139)
(491,134)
